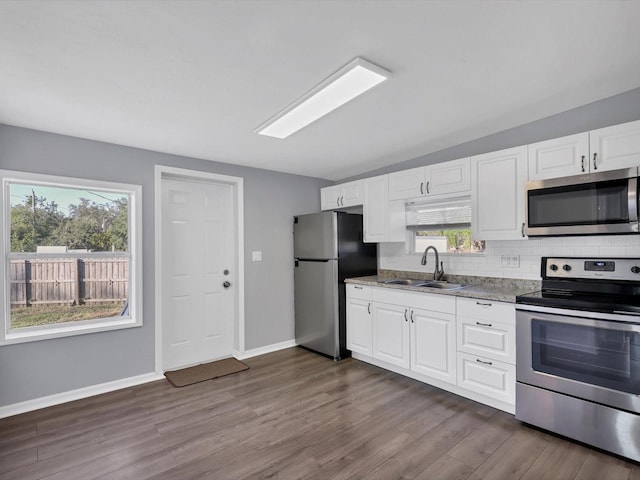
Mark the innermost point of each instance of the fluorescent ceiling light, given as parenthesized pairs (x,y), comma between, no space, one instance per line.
(352,80)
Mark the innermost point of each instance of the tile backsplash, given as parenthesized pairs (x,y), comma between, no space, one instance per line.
(526,252)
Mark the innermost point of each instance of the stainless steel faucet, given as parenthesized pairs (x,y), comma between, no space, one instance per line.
(438,272)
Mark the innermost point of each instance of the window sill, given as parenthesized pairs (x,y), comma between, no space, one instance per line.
(35,334)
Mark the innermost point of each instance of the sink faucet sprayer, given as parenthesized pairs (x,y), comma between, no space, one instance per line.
(438,272)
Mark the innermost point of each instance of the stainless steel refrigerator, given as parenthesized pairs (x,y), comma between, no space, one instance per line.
(328,248)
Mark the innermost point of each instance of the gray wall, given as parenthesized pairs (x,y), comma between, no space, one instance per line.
(610,111)
(37,369)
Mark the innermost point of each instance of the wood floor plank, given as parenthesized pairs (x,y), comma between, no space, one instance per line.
(292,415)
(560,460)
(514,457)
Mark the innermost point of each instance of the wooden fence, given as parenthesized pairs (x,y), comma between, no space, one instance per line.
(68,281)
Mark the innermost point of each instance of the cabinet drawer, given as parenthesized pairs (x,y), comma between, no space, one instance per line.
(361,292)
(492,339)
(486,311)
(487,377)
(424,301)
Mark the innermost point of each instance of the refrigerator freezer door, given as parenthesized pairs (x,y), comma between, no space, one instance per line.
(315,236)
(316,306)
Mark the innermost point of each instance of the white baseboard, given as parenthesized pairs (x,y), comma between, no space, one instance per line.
(266,349)
(70,396)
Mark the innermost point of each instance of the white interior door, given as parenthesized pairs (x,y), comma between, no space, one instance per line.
(198,256)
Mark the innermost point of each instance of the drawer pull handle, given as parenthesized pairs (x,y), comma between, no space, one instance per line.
(358,288)
(482,304)
(483,362)
(484,324)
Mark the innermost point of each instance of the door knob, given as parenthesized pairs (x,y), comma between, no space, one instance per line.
(226,284)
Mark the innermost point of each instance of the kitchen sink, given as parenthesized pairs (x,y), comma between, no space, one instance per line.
(442,285)
(406,281)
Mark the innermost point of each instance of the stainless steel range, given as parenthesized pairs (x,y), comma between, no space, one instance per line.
(578,357)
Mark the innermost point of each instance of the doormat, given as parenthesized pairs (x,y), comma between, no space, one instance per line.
(204,372)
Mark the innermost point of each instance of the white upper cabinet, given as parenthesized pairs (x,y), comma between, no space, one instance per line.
(330,197)
(384,221)
(497,193)
(615,147)
(407,183)
(434,180)
(449,177)
(600,150)
(559,157)
(344,195)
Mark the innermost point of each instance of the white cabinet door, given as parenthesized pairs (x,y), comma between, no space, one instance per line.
(351,194)
(359,326)
(615,147)
(384,221)
(441,179)
(433,345)
(497,193)
(330,197)
(449,177)
(391,334)
(407,184)
(487,377)
(559,157)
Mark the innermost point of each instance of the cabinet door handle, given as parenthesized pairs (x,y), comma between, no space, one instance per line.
(338,201)
(483,362)
(483,304)
(342,201)
(428,187)
(484,324)
(421,188)
(582,162)
(412,317)
(522,229)
(369,308)
(595,164)
(405,315)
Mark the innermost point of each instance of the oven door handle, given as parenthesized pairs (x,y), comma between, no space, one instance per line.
(591,321)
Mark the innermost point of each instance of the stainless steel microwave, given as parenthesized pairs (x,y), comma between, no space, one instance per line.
(604,203)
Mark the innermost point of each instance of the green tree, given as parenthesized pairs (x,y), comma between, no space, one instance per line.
(33,223)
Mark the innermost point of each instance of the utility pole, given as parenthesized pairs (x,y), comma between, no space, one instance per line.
(33,209)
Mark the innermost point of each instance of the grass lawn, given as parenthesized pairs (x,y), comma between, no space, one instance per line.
(34,316)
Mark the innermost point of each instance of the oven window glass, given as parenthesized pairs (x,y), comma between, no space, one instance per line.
(588,204)
(598,356)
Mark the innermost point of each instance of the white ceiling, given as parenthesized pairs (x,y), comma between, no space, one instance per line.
(195,78)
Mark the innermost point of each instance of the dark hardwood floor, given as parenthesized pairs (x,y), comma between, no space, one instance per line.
(293,415)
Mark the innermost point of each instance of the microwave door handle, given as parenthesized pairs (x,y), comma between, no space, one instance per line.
(632,199)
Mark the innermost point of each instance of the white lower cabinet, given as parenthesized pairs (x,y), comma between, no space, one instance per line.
(460,344)
(433,344)
(391,334)
(487,377)
(359,324)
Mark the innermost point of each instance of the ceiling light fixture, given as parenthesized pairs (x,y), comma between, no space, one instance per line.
(352,80)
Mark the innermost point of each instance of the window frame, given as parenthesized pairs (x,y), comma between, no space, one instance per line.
(413,229)
(10,336)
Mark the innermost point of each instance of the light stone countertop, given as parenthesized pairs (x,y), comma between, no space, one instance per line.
(482,288)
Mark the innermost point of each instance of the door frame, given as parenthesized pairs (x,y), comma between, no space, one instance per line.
(163,172)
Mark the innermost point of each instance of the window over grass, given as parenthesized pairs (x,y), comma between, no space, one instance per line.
(71,256)
(446,225)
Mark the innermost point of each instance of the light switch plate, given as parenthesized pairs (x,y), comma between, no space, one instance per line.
(256,256)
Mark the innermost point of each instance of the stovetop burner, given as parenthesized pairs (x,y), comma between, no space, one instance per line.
(608,285)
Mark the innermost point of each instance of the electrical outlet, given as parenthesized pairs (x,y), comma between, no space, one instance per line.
(256,256)
(510,260)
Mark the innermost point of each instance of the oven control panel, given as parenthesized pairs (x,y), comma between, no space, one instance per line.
(594,268)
